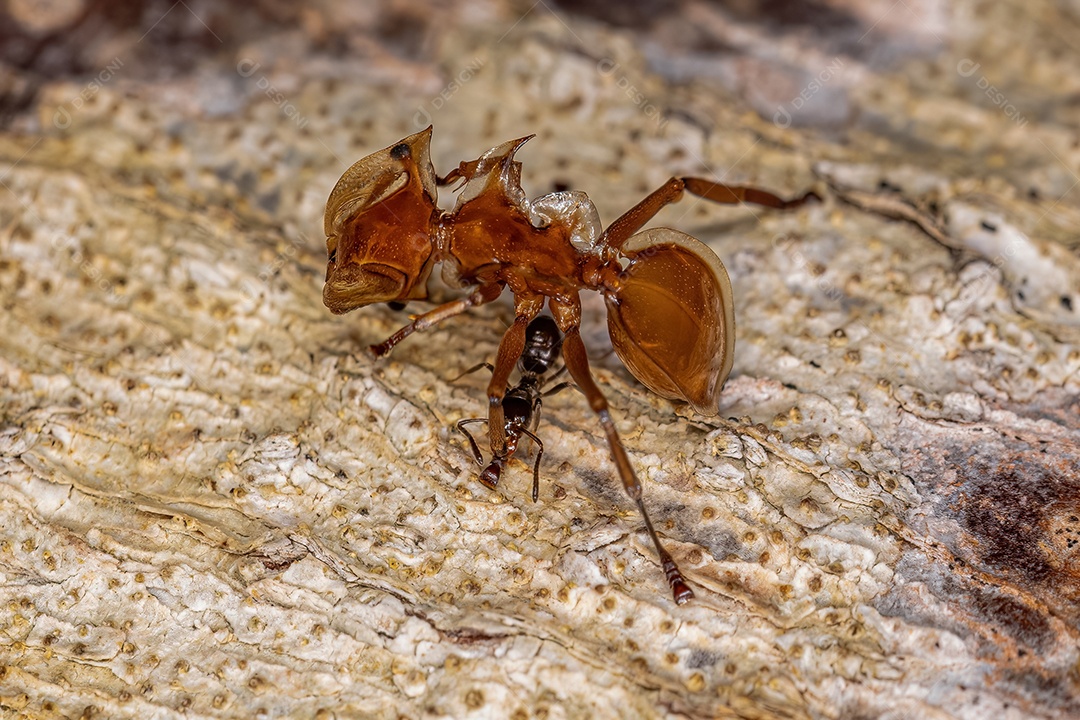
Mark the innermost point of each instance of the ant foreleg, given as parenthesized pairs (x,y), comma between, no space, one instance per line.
(472,443)
(483,294)
(633,219)
(577,361)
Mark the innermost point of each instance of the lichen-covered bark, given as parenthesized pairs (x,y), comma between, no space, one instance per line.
(214,503)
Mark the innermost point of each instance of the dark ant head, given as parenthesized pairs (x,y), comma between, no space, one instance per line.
(543,341)
(493,472)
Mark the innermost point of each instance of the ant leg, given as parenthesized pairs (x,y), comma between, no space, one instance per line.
(561,386)
(558,388)
(464,171)
(578,362)
(483,294)
(552,379)
(472,443)
(536,465)
(471,370)
(510,348)
(672,191)
(735,194)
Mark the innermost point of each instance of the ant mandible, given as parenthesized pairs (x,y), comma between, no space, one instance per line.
(521,404)
(668,296)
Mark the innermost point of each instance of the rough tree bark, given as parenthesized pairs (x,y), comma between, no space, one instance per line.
(213,503)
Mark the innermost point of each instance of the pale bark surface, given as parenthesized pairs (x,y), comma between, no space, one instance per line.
(214,504)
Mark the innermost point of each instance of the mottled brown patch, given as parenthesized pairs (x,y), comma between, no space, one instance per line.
(1024,624)
(1047,687)
(1009,565)
(1013,505)
(1017,508)
(1061,537)
(1002,507)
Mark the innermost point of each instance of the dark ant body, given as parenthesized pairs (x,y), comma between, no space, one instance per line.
(521,404)
(521,410)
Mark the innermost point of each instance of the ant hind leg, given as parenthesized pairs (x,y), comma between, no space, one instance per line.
(578,363)
(618,232)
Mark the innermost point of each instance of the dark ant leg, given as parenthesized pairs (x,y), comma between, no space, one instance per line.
(483,294)
(558,388)
(578,363)
(633,219)
(552,379)
(536,465)
(471,370)
(475,448)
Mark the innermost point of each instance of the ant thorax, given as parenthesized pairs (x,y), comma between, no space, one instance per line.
(496,171)
(493,213)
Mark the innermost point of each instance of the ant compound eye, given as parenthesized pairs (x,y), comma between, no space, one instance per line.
(333,255)
(400,151)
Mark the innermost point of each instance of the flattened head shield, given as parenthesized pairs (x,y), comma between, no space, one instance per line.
(377,227)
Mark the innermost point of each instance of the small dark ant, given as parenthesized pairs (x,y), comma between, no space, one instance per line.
(521,404)
(521,409)
(670,310)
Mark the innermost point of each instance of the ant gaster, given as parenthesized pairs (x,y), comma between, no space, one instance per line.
(668,296)
(521,404)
